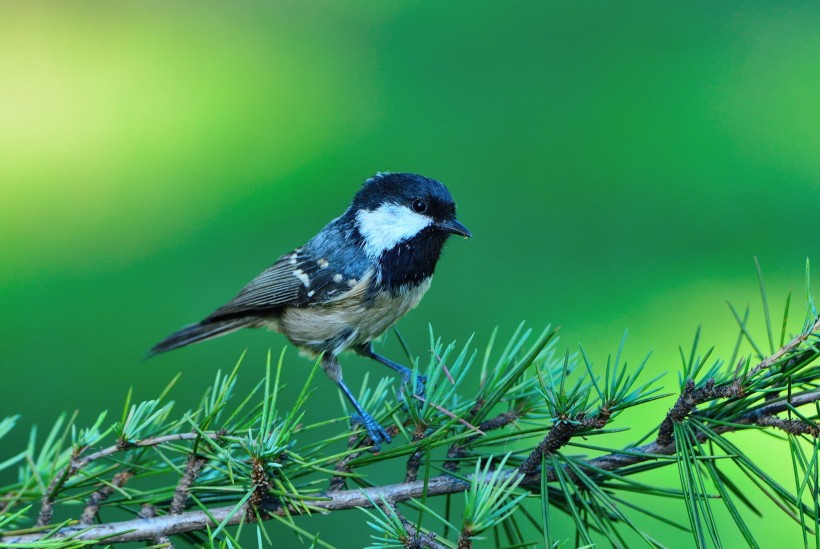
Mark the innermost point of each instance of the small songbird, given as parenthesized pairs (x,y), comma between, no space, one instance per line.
(359,275)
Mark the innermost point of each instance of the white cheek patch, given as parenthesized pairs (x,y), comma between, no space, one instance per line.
(388,225)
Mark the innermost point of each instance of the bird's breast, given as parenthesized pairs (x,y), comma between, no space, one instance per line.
(355,317)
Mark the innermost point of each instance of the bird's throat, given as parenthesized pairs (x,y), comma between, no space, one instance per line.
(411,262)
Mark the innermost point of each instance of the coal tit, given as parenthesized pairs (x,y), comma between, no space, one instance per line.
(352,281)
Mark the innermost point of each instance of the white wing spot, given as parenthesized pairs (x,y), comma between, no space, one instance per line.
(310,293)
(300,274)
(337,278)
(322,263)
(352,282)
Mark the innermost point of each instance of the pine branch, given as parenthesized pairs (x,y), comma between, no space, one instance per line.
(168,525)
(791,426)
(692,396)
(192,469)
(416,539)
(78,462)
(559,435)
(241,464)
(790,347)
(456,451)
(689,399)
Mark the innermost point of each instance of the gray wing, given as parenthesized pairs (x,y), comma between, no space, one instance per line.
(295,279)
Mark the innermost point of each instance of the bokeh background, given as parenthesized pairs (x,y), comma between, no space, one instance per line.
(619,165)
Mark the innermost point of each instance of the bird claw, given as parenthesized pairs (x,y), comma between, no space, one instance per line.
(421,383)
(376,432)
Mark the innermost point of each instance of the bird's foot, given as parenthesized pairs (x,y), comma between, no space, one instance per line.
(376,432)
(420,386)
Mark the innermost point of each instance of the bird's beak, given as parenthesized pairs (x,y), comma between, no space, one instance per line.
(454,227)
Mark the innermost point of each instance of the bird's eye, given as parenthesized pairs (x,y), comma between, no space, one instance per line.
(419,206)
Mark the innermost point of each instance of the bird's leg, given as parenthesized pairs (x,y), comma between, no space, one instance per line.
(366,349)
(375,431)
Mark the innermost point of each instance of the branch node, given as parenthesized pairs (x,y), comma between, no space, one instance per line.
(414,461)
(416,540)
(261,489)
(690,398)
(148,511)
(465,539)
(558,435)
(791,426)
(339,482)
(97,498)
(192,469)
(456,451)
(47,502)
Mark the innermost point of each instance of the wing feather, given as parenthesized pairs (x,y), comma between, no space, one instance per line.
(295,279)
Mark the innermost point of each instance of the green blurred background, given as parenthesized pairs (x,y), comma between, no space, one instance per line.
(619,165)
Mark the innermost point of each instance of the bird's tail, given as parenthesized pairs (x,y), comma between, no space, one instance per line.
(198,332)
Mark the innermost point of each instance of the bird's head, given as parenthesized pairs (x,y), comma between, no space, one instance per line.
(394,207)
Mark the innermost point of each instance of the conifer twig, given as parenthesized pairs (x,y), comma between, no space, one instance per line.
(78,461)
(148,511)
(260,466)
(417,540)
(791,426)
(787,348)
(559,435)
(690,397)
(98,497)
(456,451)
(156,527)
(193,467)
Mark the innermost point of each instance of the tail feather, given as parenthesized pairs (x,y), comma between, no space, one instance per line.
(196,333)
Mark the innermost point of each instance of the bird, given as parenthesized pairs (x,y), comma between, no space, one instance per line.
(352,281)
